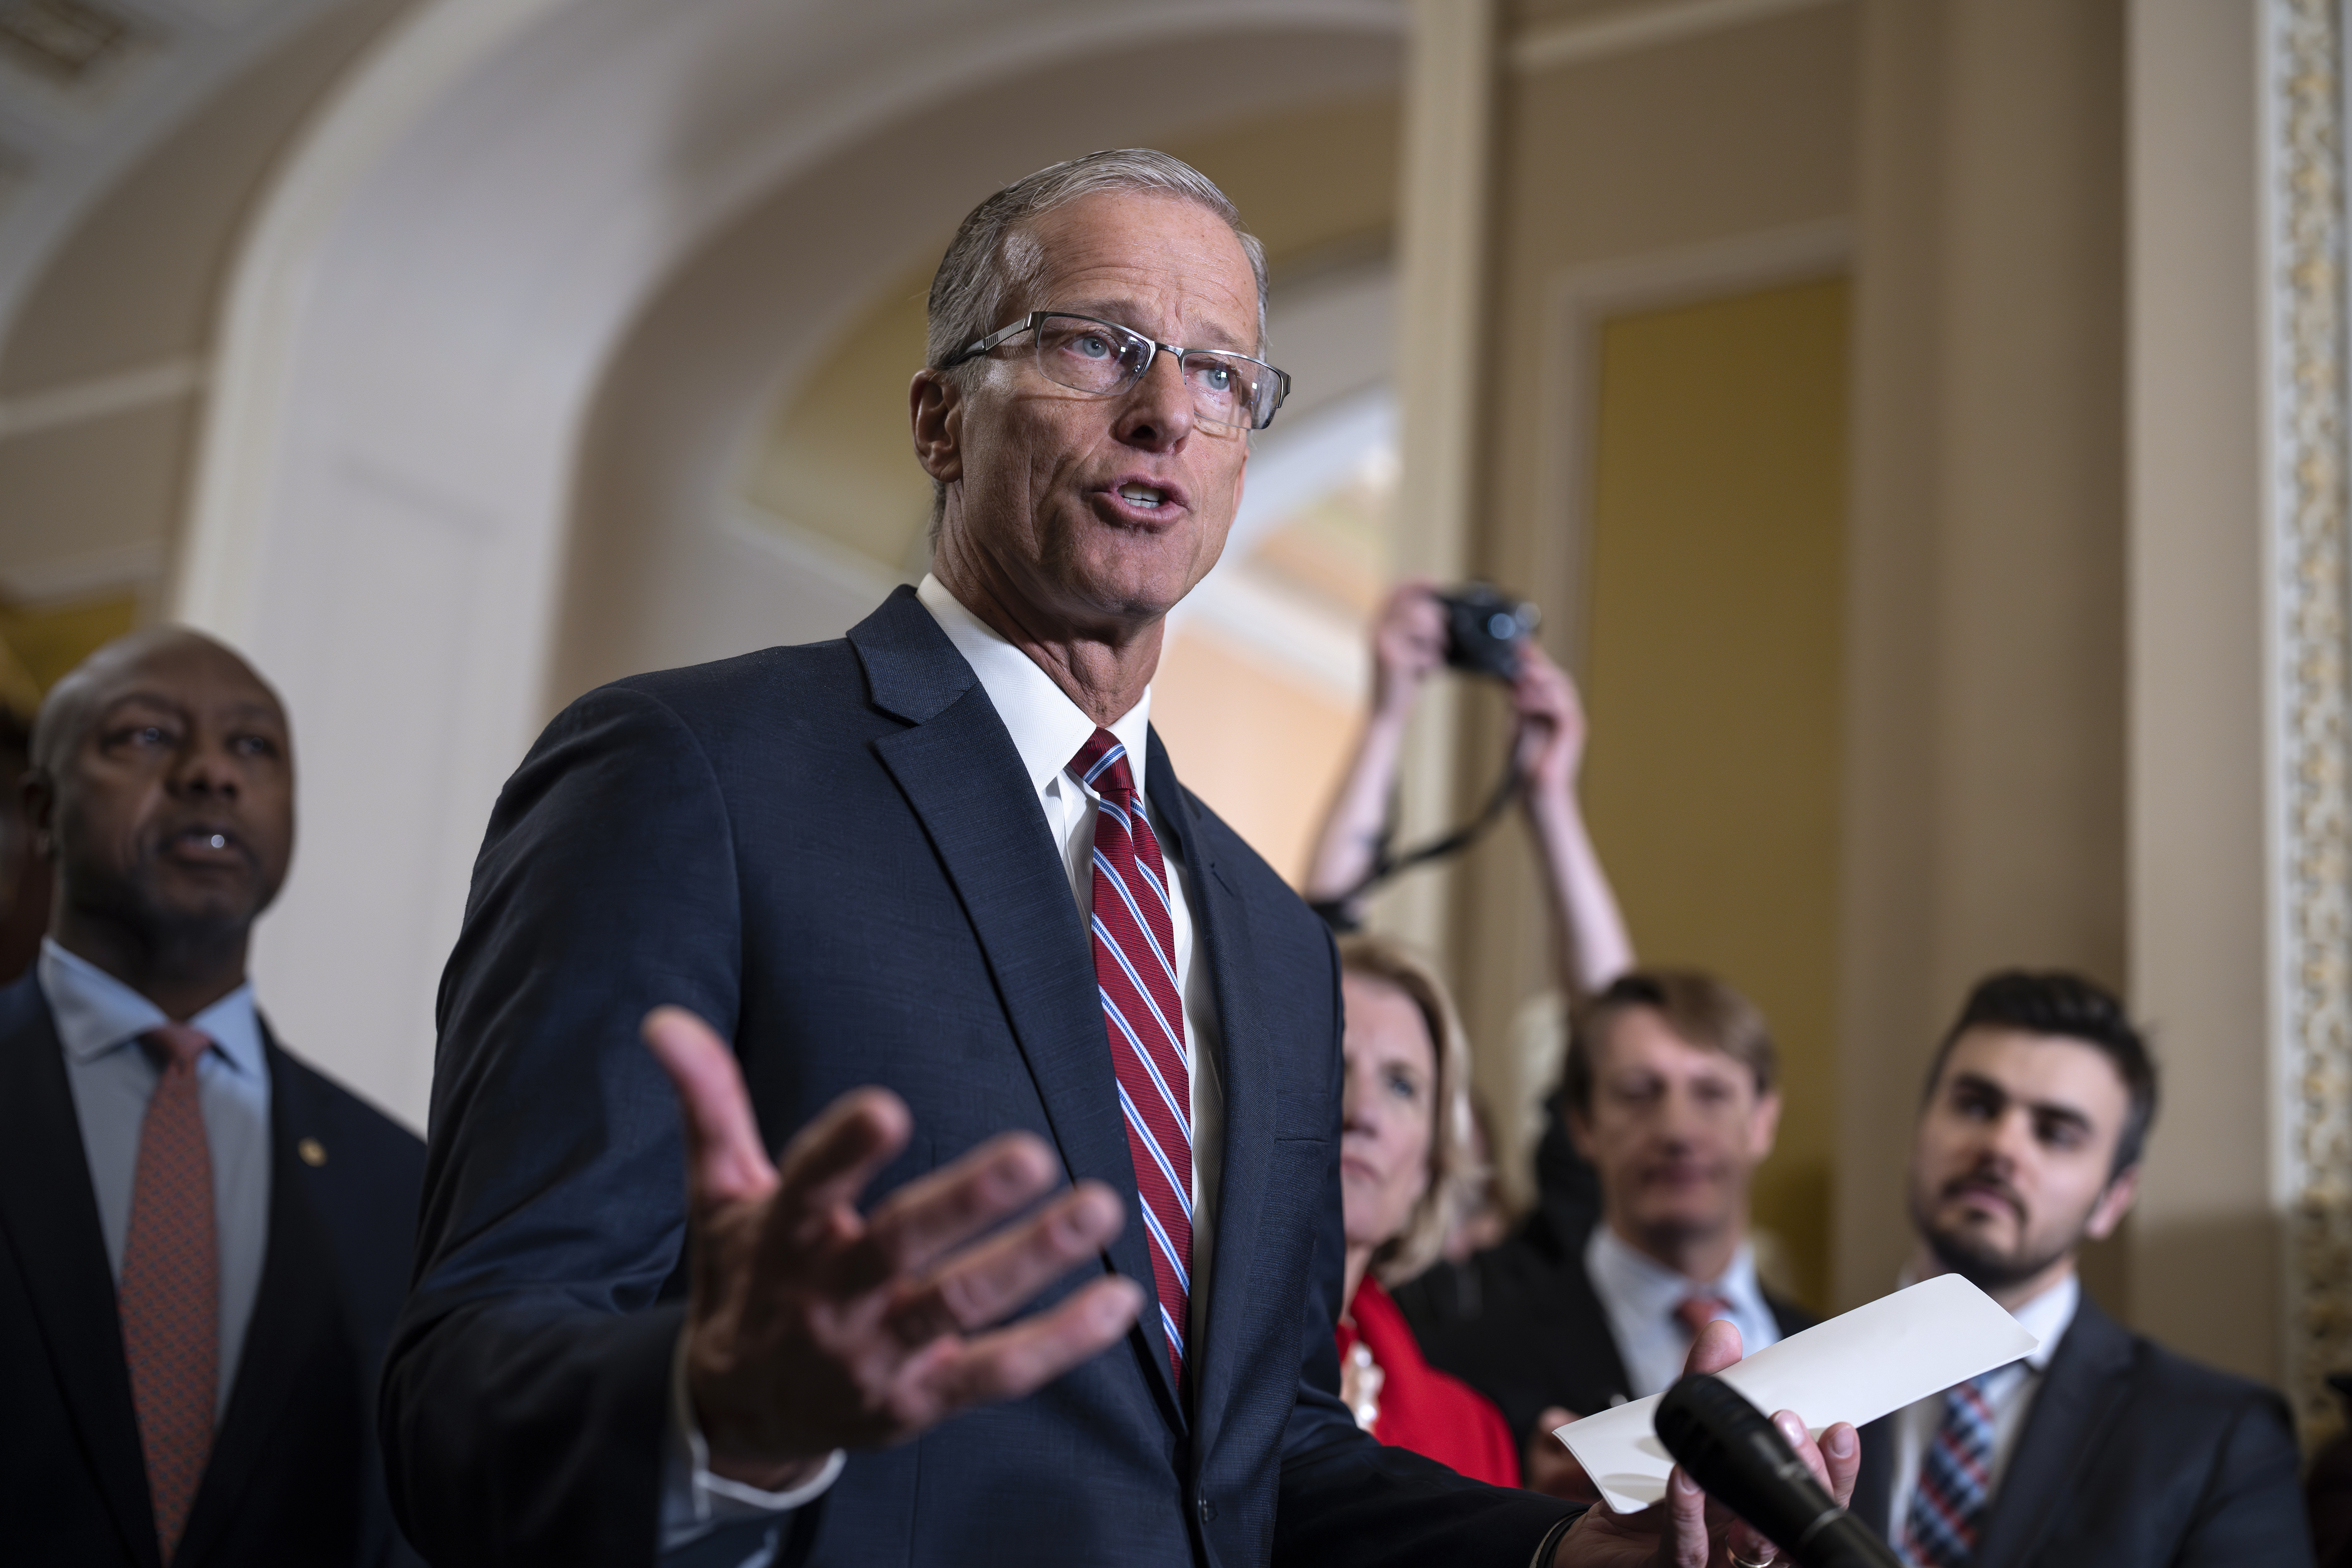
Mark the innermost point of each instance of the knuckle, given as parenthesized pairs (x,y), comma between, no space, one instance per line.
(966,1300)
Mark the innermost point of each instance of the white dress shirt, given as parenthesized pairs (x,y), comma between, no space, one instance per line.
(98,1021)
(2010,1392)
(1640,1295)
(1047,731)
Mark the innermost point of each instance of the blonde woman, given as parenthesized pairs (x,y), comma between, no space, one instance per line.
(1406,1153)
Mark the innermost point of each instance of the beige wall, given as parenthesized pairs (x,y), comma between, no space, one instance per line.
(2204,1259)
(1621,160)
(1985,784)
(1714,680)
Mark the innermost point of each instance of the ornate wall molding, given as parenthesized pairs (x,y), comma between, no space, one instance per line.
(2305,89)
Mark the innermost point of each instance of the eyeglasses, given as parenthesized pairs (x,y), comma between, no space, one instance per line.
(1104,359)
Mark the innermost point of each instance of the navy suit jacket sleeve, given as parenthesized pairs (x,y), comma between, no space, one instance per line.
(524,1396)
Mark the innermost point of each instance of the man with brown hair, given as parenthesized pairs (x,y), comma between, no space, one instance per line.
(1669,1091)
(2102,1448)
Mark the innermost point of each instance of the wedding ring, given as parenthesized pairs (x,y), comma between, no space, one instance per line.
(1772,1556)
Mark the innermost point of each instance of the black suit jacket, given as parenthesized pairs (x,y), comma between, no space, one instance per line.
(1523,1325)
(2131,1456)
(833,853)
(295,1475)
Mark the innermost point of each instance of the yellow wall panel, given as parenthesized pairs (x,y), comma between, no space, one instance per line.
(1714,677)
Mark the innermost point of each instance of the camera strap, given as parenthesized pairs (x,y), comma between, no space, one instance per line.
(1339,913)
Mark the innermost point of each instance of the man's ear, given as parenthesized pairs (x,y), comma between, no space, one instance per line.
(40,793)
(935,409)
(2112,1205)
(1580,1129)
(1765,1123)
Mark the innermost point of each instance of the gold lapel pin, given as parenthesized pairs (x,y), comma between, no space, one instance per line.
(313,1152)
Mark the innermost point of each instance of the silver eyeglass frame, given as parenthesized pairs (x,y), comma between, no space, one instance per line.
(1030,323)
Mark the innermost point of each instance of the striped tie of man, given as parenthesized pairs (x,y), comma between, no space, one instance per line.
(1955,1479)
(1143,1015)
(169,1294)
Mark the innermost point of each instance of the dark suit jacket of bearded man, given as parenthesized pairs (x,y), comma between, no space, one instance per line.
(294,1474)
(2131,1456)
(833,853)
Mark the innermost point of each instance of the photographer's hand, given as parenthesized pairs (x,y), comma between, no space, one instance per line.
(1594,945)
(1408,647)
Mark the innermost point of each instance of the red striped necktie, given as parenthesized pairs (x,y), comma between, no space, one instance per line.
(1143,1016)
(169,1295)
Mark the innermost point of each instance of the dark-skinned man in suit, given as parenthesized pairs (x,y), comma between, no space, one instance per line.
(2102,1449)
(206,1240)
(960,937)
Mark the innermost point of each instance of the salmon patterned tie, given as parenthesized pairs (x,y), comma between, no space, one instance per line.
(170,1297)
(1143,1015)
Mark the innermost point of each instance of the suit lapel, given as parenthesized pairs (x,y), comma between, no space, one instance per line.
(1587,1338)
(49,1217)
(290,1310)
(1873,1488)
(962,775)
(2081,1392)
(1220,932)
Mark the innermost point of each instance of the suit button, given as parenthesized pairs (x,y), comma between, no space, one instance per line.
(1208,1512)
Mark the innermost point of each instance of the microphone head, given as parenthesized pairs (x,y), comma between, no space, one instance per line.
(1736,1454)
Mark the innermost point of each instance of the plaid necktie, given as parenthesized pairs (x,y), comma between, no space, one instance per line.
(169,1295)
(1955,1479)
(1143,1015)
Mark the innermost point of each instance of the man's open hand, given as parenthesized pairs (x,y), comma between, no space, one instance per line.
(814,1327)
(1687,1531)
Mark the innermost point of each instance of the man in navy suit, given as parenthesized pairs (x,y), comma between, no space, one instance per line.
(203,1242)
(961,935)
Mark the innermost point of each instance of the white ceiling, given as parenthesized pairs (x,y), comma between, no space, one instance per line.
(63,142)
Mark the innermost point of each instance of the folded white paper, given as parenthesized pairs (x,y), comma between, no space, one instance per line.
(1856,1368)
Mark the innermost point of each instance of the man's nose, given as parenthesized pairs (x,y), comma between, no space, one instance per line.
(2006,1137)
(1679,1116)
(1158,414)
(206,770)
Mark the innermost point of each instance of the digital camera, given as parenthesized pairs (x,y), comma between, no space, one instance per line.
(1482,629)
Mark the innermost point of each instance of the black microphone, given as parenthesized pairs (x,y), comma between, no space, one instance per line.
(1738,1455)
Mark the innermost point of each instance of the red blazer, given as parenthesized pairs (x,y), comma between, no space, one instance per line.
(1421,1408)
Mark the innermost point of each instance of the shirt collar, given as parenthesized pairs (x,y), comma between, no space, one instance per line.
(2048,1316)
(1654,1289)
(1047,727)
(95,1012)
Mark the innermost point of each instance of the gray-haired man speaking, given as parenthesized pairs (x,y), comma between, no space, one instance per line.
(1047,1269)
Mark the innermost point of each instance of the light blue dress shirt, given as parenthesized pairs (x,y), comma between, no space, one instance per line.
(99,1020)
(1640,1295)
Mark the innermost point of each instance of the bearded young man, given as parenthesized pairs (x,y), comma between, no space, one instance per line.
(2102,1447)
